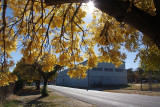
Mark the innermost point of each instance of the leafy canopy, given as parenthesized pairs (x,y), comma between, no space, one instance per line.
(26,72)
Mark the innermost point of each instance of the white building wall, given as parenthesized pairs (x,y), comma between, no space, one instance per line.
(104,74)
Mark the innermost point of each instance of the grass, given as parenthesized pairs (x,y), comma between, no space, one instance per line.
(12,103)
(30,97)
(145,87)
(131,86)
(134,89)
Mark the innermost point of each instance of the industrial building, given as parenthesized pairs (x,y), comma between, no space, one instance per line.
(103,74)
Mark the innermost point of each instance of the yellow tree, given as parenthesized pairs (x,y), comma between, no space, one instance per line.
(59,29)
(47,75)
(26,73)
(47,68)
(43,70)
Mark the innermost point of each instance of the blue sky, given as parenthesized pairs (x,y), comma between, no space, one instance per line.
(130,55)
(129,60)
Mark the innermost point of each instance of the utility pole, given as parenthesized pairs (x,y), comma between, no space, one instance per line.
(88,80)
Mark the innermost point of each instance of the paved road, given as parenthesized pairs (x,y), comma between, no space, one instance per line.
(108,99)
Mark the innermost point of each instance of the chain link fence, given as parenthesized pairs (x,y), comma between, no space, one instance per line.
(113,83)
(145,84)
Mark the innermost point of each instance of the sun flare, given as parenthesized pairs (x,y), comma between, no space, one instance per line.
(90,6)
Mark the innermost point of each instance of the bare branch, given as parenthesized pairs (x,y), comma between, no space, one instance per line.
(55,2)
(4,29)
(144,22)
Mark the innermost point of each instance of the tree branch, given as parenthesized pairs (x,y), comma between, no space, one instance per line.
(4,29)
(55,2)
(147,24)
(157,5)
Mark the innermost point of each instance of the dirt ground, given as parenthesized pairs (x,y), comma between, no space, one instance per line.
(33,98)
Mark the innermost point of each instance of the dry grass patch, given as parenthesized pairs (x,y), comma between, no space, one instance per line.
(134,89)
(30,97)
(150,93)
(145,87)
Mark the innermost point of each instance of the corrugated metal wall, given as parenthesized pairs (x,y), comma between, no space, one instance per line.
(104,74)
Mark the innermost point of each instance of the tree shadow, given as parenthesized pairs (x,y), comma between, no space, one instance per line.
(31,91)
(101,87)
(27,92)
(37,103)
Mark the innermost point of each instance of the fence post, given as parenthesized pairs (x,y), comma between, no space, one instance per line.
(150,85)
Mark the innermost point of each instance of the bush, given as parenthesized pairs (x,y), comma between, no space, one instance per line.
(18,85)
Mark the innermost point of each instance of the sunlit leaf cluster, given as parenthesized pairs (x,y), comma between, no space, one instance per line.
(150,58)
(6,78)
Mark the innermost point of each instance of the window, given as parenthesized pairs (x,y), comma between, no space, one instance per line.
(97,69)
(119,70)
(108,69)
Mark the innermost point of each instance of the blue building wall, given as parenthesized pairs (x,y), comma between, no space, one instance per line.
(103,74)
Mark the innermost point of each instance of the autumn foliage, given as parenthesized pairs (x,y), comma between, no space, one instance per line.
(61,33)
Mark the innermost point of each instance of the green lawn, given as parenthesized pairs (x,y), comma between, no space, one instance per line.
(12,103)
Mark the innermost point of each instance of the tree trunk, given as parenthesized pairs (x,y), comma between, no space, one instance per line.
(144,22)
(37,84)
(44,90)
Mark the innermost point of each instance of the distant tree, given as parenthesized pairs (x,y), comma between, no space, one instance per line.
(20,83)
(139,71)
(156,75)
(130,75)
(27,73)
(150,72)
(46,76)
(38,70)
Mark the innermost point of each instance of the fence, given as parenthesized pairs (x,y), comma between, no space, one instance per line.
(6,91)
(109,83)
(144,86)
